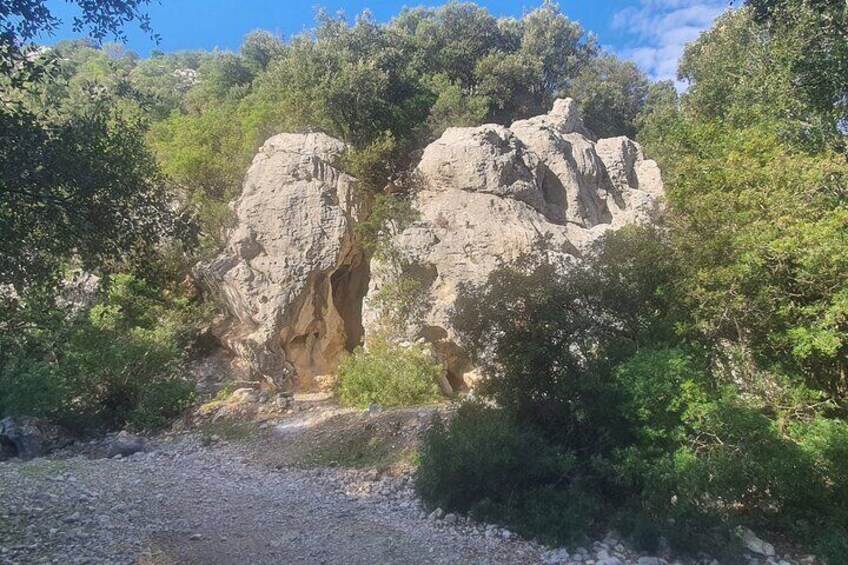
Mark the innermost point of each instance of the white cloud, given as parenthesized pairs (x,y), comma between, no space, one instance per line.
(656,31)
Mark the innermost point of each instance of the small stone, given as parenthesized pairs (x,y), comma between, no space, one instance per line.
(557,556)
(506,534)
(437,514)
(609,561)
(73,518)
(602,554)
(195,537)
(450,519)
(754,544)
(645,560)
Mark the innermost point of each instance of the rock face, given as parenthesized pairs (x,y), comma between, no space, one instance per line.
(294,277)
(490,194)
(291,274)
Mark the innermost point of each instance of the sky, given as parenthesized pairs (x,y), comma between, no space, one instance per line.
(651,33)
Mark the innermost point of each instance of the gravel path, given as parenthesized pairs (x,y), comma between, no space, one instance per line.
(188,502)
(183,503)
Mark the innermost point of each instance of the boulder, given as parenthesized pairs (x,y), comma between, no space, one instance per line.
(125,444)
(30,438)
(290,273)
(490,195)
(488,159)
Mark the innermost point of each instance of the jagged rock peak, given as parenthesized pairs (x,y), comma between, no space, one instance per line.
(489,195)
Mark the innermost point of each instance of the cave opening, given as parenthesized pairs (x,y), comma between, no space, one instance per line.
(349,285)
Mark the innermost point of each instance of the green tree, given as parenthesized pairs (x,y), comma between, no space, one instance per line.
(612,94)
(85,189)
(21,21)
(260,49)
(75,185)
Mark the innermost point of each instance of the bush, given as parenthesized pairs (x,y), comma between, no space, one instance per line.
(160,402)
(482,462)
(388,375)
(549,337)
(601,408)
(117,365)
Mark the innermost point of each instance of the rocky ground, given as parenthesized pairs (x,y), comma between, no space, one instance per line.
(301,489)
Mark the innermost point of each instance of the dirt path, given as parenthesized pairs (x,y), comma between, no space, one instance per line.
(185,503)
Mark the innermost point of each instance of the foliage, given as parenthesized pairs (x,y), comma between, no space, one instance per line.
(452,108)
(118,364)
(81,188)
(786,62)
(577,322)
(21,21)
(483,463)
(78,182)
(388,374)
(586,368)
(815,33)
(386,89)
(611,94)
(760,229)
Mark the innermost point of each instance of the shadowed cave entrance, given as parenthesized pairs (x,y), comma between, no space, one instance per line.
(328,321)
(349,286)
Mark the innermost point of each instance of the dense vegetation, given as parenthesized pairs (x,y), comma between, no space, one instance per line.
(81,190)
(688,379)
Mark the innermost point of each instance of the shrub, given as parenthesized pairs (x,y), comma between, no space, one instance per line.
(388,375)
(549,337)
(601,408)
(160,402)
(482,462)
(117,365)
(31,387)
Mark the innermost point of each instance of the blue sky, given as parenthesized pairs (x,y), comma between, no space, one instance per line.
(650,32)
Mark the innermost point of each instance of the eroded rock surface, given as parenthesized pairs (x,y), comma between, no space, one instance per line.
(290,272)
(294,276)
(489,195)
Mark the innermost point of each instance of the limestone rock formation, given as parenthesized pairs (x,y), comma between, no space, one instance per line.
(290,272)
(490,194)
(294,277)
